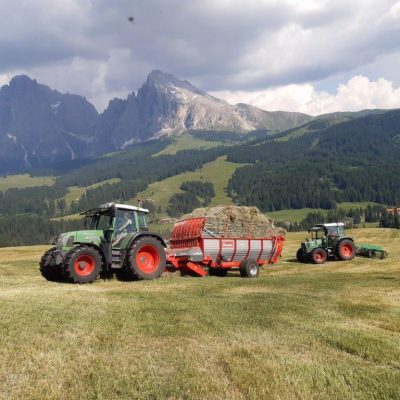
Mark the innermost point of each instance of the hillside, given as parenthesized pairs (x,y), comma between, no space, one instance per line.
(333,329)
(352,161)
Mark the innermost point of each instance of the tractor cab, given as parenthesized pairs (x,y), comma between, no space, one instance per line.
(117,217)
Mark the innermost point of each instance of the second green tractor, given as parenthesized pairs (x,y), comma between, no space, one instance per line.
(328,241)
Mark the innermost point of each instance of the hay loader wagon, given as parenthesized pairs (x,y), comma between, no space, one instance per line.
(193,248)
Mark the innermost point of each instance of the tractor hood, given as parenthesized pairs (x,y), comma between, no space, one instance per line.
(66,240)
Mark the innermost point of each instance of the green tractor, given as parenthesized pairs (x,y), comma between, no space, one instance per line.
(117,239)
(328,241)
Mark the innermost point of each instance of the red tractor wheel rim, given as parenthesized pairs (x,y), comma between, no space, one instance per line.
(347,250)
(84,265)
(319,256)
(148,259)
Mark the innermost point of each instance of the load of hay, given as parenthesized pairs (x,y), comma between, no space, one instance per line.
(236,221)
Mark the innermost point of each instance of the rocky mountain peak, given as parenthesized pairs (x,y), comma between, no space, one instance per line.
(168,81)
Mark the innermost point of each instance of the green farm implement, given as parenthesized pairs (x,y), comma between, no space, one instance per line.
(371,251)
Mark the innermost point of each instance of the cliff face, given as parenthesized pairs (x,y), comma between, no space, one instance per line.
(167,105)
(39,126)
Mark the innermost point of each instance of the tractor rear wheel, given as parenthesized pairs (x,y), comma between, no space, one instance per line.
(300,256)
(346,250)
(249,269)
(82,264)
(146,259)
(52,273)
(319,256)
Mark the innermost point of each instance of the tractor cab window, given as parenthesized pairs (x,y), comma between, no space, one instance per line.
(317,233)
(125,221)
(98,221)
(143,221)
(103,221)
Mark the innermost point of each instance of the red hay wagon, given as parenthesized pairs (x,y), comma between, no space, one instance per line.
(196,249)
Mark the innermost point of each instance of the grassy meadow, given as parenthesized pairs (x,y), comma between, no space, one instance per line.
(297,332)
(161,191)
(24,180)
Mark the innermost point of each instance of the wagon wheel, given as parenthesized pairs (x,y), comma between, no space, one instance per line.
(249,269)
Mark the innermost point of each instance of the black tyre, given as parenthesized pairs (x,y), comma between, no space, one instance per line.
(82,265)
(346,250)
(300,256)
(51,272)
(319,256)
(217,272)
(146,259)
(249,269)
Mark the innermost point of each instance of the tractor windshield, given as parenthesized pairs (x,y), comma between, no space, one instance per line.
(125,221)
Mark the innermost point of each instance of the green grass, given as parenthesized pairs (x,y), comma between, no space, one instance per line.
(24,180)
(297,332)
(294,134)
(187,141)
(298,215)
(218,172)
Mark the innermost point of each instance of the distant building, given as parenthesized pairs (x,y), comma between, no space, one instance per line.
(393,210)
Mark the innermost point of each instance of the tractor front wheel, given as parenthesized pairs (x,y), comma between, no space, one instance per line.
(82,265)
(146,259)
(346,250)
(249,269)
(319,256)
(300,256)
(51,272)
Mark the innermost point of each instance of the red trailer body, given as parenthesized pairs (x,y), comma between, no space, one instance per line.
(194,248)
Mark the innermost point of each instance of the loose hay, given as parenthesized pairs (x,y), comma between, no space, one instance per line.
(236,221)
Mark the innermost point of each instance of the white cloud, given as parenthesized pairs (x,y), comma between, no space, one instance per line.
(357,94)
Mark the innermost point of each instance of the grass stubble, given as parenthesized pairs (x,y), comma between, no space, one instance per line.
(297,332)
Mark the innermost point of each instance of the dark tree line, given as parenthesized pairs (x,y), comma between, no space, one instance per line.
(183,203)
(121,191)
(28,230)
(390,219)
(40,200)
(355,216)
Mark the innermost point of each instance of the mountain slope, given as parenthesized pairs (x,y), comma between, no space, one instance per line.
(40,126)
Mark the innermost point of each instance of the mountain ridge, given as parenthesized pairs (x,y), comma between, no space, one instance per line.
(41,127)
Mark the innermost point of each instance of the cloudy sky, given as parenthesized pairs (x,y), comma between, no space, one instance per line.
(312,56)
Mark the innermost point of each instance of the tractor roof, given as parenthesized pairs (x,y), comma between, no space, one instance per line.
(332,224)
(104,208)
